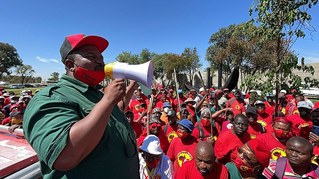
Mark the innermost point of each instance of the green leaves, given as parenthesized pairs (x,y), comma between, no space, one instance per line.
(8,58)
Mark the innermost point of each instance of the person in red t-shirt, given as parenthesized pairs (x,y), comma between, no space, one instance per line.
(263,118)
(270,104)
(228,141)
(204,165)
(170,129)
(302,125)
(275,141)
(182,149)
(251,159)
(137,127)
(254,128)
(190,108)
(237,103)
(204,130)
(137,105)
(155,129)
(170,96)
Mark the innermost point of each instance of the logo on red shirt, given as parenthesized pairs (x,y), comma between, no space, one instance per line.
(183,157)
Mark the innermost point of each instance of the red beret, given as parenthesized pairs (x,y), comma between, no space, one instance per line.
(282,119)
(261,152)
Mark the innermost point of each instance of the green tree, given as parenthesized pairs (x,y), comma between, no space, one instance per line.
(9,58)
(54,77)
(25,72)
(236,45)
(281,21)
(128,57)
(190,62)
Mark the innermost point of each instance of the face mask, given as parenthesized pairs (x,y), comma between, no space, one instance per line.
(89,77)
(181,134)
(165,110)
(315,130)
(153,163)
(242,166)
(281,134)
(205,122)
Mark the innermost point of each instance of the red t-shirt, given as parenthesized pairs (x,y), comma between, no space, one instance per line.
(136,108)
(6,121)
(170,132)
(227,144)
(238,108)
(206,131)
(190,171)
(275,147)
(137,127)
(270,108)
(180,152)
(300,127)
(254,130)
(264,119)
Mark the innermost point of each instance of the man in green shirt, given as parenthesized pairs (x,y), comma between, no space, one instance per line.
(77,130)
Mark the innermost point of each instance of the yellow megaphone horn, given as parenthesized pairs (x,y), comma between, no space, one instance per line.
(142,73)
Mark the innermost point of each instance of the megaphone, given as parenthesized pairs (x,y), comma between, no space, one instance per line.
(142,73)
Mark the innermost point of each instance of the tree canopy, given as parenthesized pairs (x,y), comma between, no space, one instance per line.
(8,58)
(164,64)
(282,21)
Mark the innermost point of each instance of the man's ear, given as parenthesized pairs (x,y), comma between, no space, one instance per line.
(69,64)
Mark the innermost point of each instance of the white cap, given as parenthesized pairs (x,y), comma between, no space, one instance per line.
(151,145)
(283,91)
(201,89)
(304,104)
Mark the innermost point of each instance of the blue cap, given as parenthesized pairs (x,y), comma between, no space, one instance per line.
(187,124)
(166,104)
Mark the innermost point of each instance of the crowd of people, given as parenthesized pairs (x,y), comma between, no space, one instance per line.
(243,131)
(80,130)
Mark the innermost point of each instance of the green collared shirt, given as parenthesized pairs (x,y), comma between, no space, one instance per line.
(47,122)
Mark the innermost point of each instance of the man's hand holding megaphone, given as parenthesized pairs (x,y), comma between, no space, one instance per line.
(115,91)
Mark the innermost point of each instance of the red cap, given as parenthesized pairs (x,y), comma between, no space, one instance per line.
(72,42)
(261,152)
(17,105)
(316,105)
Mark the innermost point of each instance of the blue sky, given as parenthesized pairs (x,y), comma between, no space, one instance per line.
(37,28)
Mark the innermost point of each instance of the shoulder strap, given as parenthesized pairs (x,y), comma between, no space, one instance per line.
(165,128)
(316,169)
(201,132)
(280,167)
